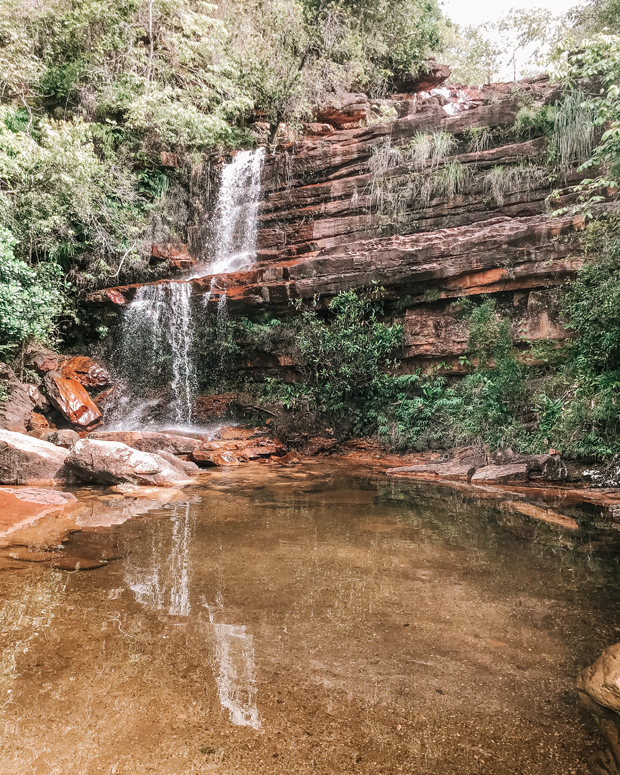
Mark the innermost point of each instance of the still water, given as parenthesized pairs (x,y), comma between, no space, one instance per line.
(316,620)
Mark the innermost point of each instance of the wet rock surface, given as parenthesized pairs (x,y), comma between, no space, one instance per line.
(149,441)
(26,460)
(111,462)
(71,399)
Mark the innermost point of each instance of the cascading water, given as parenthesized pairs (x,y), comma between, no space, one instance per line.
(235,229)
(157,336)
(156,350)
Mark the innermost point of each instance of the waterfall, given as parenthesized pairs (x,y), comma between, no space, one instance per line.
(156,350)
(157,334)
(235,222)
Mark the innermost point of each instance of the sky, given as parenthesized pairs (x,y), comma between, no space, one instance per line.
(465,12)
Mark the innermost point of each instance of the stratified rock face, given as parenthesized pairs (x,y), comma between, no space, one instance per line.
(26,460)
(149,441)
(110,462)
(323,229)
(70,397)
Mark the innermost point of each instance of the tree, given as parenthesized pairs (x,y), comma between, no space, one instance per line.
(473,57)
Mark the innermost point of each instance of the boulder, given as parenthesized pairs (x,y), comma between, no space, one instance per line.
(39,422)
(456,471)
(110,462)
(209,459)
(70,397)
(185,466)
(149,441)
(15,413)
(516,472)
(61,438)
(85,371)
(26,460)
(601,681)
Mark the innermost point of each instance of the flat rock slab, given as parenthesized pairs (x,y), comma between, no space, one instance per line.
(517,472)
(150,441)
(458,471)
(209,459)
(110,462)
(28,461)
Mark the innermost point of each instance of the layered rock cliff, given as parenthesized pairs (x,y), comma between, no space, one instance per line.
(443,202)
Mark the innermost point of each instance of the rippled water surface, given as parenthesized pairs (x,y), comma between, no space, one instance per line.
(315,620)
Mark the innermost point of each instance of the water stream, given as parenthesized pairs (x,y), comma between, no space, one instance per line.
(155,363)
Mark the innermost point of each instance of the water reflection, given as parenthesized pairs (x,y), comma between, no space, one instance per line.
(160,578)
(236,677)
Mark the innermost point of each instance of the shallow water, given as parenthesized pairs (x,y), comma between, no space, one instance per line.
(313,620)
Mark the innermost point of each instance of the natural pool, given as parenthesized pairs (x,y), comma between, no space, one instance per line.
(317,620)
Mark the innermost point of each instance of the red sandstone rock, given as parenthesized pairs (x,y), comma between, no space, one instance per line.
(29,461)
(115,297)
(290,459)
(15,413)
(455,471)
(110,462)
(206,458)
(38,422)
(45,361)
(233,433)
(149,441)
(178,257)
(61,438)
(516,472)
(85,370)
(346,111)
(70,397)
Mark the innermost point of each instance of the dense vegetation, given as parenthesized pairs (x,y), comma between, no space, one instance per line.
(105,109)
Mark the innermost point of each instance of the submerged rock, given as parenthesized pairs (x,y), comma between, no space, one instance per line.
(601,681)
(70,397)
(22,505)
(110,462)
(26,460)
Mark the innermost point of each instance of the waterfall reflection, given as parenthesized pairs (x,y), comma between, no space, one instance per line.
(236,678)
(160,577)
(161,580)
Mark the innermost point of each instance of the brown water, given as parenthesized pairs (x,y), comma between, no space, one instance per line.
(308,621)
